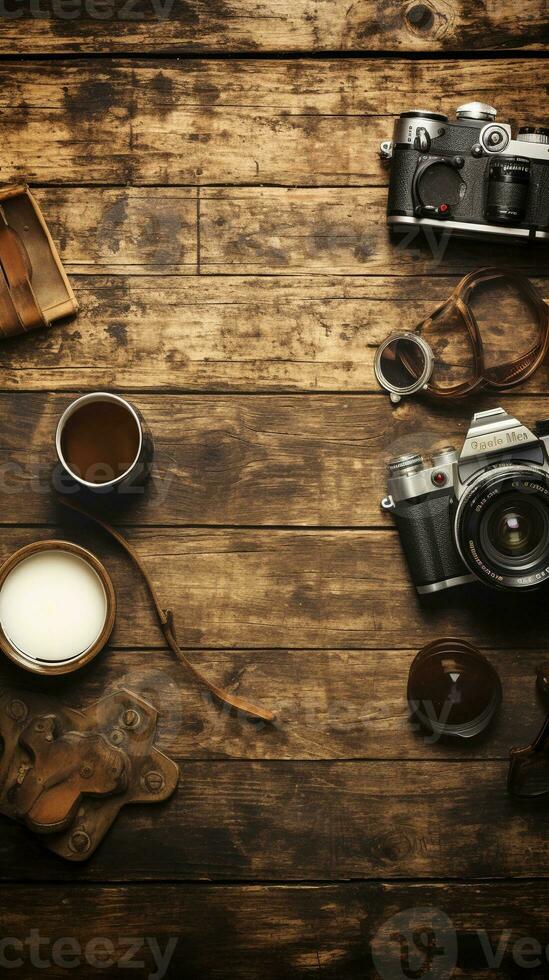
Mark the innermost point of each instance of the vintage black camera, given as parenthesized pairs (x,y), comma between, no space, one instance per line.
(481,515)
(468,175)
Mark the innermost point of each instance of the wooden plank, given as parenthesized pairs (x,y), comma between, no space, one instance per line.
(297,460)
(330,704)
(276,821)
(290,333)
(334,231)
(293,589)
(65,123)
(128,230)
(281,932)
(231,122)
(274,25)
(253,231)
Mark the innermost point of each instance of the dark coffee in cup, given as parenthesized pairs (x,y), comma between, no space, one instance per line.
(103,443)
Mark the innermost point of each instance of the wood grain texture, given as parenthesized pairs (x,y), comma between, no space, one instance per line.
(235,275)
(298,460)
(286,932)
(334,231)
(330,704)
(253,334)
(125,230)
(276,821)
(273,25)
(293,589)
(253,231)
(232,122)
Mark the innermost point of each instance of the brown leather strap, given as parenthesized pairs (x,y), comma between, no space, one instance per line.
(503,376)
(166,619)
(17,271)
(10,324)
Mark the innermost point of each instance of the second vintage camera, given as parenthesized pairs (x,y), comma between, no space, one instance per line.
(468,174)
(480,515)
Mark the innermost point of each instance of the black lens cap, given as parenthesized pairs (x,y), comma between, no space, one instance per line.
(453,690)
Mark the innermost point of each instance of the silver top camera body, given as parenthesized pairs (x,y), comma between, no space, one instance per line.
(468,175)
(481,514)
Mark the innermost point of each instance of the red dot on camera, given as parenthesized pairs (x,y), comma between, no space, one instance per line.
(439,479)
(443,208)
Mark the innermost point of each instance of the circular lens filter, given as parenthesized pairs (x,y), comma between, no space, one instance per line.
(403,364)
(453,689)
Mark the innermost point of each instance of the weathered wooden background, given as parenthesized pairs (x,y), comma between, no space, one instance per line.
(212,179)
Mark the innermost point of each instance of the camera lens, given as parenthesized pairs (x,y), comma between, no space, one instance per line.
(453,690)
(508,184)
(502,527)
(515,530)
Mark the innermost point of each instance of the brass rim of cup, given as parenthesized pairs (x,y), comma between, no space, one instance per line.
(65,667)
(96,396)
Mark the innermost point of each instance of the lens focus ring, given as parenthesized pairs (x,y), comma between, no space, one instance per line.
(508,185)
(502,527)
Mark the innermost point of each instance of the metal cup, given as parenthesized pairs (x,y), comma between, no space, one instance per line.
(100,478)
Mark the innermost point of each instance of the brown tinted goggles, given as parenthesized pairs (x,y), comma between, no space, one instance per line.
(470,341)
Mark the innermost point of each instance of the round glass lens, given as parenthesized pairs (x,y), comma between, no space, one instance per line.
(515,530)
(402,364)
(453,689)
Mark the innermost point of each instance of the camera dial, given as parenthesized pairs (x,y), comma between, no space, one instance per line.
(533,134)
(477,110)
(406,464)
(494,138)
(424,114)
(445,456)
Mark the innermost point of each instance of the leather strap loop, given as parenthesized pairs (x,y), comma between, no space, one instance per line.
(166,620)
(17,271)
(503,376)
(10,324)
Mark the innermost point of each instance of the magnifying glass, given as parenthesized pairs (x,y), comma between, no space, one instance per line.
(403,365)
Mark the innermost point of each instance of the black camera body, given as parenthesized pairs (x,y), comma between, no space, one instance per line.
(480,515)
(468,175)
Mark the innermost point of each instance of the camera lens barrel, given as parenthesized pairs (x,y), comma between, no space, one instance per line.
(508,187)
(502,527)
